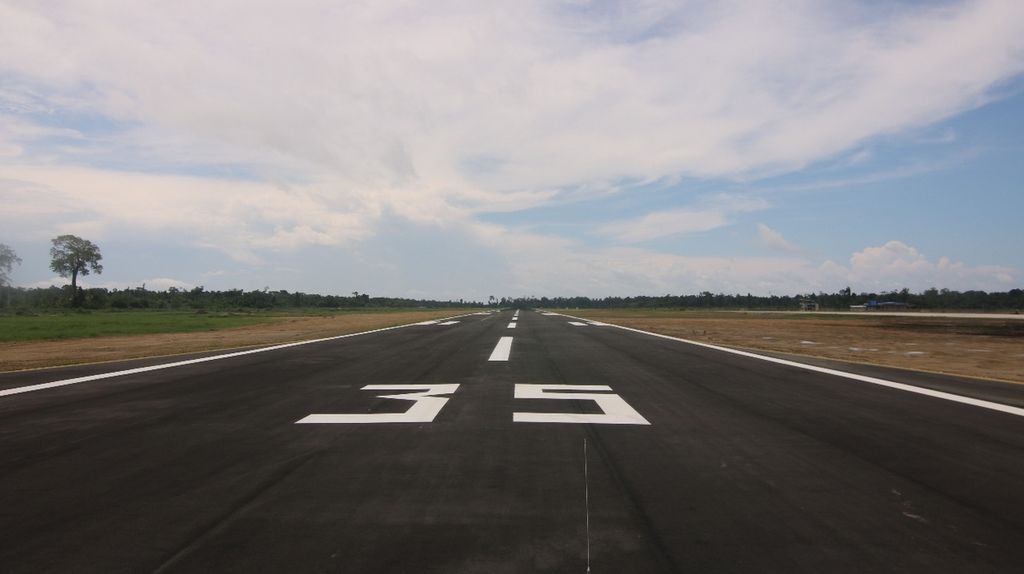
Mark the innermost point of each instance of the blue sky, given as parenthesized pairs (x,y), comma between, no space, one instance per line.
(467,149)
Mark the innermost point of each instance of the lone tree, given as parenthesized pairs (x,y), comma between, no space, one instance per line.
(73,256)
(8,259)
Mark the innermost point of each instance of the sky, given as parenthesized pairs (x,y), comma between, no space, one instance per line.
(454,150)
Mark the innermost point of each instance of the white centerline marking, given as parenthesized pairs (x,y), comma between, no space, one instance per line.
(862,378)
(449,323)
(97,377)
(577,324)
(511,325)
(501,350)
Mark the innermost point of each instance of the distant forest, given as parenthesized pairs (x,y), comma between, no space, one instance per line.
(16,298)
(932,299)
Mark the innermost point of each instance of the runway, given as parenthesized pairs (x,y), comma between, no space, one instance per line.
(516,441)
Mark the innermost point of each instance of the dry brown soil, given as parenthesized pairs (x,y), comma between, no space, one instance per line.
(36,354)
(984,348)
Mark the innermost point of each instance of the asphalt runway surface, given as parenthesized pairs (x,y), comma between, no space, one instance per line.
(570,446)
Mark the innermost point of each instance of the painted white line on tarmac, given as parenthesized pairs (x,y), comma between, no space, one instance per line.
(425,408)
(577,324)
(448,323)
(511,325)
(100,376)
(862,378)
(501,350)
(615,410)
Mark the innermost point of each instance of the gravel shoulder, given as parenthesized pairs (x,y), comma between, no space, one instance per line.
(978,347)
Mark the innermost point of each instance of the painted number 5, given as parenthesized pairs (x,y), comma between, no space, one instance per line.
(616,410)
(425,407)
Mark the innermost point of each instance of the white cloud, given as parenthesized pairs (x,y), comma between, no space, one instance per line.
(152,284)
(389,93)
(663,224)
(947,136)
(773,239)
(546,265)
(896,265)
(239,218)
(437,112)
(713,212)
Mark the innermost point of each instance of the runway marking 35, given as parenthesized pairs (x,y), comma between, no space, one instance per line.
(427,404)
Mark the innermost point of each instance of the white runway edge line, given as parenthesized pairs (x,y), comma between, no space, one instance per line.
(501,350)
(88,378)
(862,378)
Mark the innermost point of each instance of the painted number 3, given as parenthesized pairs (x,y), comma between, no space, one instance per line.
(427,404)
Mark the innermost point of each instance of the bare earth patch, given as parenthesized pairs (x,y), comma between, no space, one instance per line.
(983,348)
(37,354)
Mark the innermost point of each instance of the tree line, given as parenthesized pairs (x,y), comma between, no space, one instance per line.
(199,298)
(73,256)
(933,299)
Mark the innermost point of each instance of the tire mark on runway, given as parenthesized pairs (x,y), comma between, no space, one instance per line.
(789,419)
(641,522)
(221,522)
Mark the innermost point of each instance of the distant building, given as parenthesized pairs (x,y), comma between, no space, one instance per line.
(808,305)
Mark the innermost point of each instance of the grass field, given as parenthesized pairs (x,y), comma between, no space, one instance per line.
(85,324)
(72,325)
(28,342)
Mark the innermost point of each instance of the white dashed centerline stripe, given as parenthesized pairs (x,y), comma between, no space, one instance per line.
(448,323)
(501,350)
(511,325)
(577,324)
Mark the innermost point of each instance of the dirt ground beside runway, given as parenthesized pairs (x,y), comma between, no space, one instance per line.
(39,354)
(984,348)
